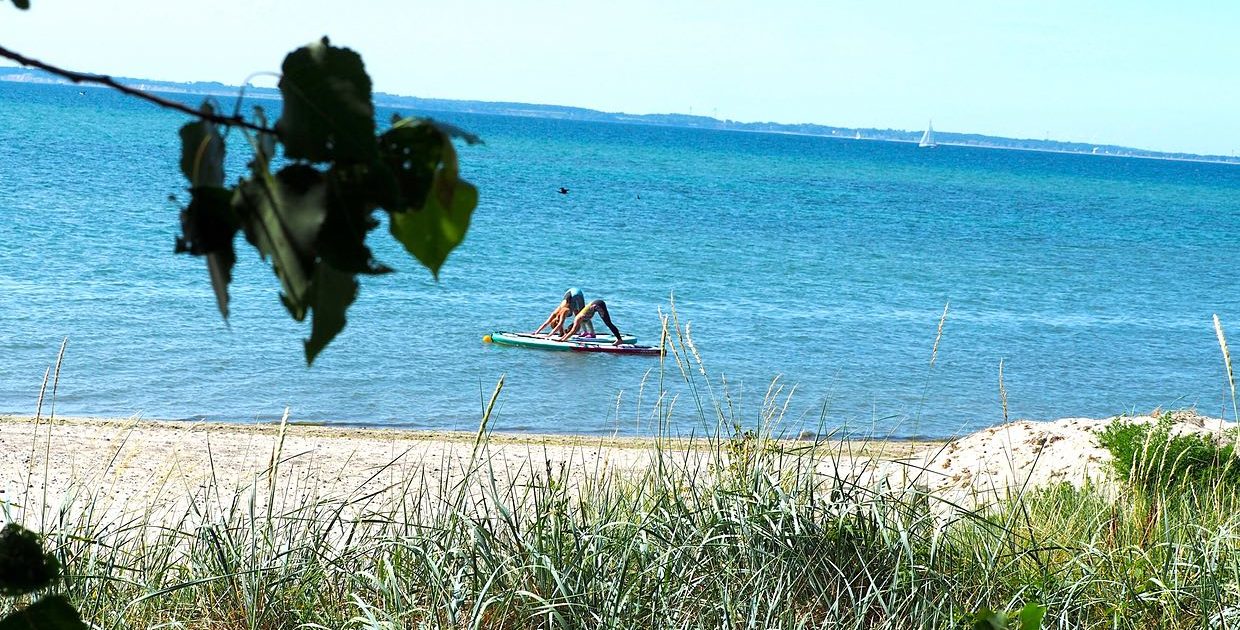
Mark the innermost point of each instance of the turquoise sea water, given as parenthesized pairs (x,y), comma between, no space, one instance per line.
(824,262)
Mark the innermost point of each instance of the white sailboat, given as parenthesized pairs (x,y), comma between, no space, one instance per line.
(927,139)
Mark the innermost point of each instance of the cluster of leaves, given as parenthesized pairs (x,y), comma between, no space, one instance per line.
(21,4)
(24,569)
(1027,618)
(1159,463)
(311,217)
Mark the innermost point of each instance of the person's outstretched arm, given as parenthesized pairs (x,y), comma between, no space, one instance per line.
(544,324)
(551,319)
(571,331)
(557,326)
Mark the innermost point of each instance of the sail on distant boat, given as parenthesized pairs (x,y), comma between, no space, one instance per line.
(858,136)
(927,139)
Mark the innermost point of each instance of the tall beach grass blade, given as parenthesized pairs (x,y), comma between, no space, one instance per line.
(684,364)
(938,335)
(1231,377)
(60,358)
(664,342)
(51,416)
(273,466)
(1003,393)
(486,415)
(701,366)
(34,443)
(479,439)
(934,354)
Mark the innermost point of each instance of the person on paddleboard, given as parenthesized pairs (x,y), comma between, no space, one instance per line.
(572,303)
(585,314)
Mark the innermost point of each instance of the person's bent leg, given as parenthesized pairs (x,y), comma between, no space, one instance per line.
(602,312)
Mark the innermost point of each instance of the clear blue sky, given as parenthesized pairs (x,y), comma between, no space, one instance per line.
(1163,76)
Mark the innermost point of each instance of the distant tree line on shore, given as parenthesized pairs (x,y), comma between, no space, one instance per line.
(563,112)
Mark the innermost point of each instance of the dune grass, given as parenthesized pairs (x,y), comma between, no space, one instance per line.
(757,537)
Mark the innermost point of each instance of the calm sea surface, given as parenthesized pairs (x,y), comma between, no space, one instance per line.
(824,263)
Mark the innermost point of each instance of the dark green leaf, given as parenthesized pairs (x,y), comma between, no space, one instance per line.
(208,228)
(987,619)
(411,151)
(202,152)
(328,114)
(456,132)
(1031,617)
(382,188)
(23,565)
(431,233)
(50,613)
(434,205)
(302,195)
(333,292)
(282,217)
(448,129)
(22,4)
(342,241)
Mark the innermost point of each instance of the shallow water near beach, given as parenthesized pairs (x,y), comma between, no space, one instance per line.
(824,263)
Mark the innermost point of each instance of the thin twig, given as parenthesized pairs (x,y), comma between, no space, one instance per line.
(81,77)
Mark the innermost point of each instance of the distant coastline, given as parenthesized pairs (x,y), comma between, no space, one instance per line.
(560,112)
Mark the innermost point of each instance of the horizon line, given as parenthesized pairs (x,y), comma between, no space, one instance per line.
(724,124)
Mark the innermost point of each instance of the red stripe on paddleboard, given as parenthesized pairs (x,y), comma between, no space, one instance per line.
(646,350)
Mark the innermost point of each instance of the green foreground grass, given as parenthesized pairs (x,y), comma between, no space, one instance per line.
(757,541)
(758,538)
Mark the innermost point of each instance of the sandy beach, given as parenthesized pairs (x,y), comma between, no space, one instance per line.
(135,464)
(131,464)
(181,516)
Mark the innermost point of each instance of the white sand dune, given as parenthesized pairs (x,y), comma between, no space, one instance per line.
(998,463)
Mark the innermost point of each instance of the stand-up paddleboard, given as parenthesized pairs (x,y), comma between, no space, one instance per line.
(601,343)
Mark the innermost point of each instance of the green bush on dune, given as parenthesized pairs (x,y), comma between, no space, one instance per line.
(1163,464)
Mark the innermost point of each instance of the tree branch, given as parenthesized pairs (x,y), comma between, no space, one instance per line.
(80,77)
